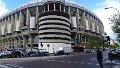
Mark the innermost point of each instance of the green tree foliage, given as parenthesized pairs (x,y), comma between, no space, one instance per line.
(115,28)
(96,44)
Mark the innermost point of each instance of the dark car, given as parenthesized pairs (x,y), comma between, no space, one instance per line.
(43,53)
(6,54)
(31,54)
(10,54)
(60,52)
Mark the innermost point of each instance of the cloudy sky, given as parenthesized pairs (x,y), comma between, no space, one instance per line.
(97,6)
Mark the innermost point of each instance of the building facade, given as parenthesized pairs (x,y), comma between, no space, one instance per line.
(52,23)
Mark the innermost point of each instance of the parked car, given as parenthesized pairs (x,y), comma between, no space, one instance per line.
(31,54)
(114,54)
(6,54)
(10,54)
(60,52)
(43,53)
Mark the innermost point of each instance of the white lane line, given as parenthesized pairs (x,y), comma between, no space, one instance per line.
(3,66)
(82,62)
(48,60)
(68,61)
(97,64)
(75,62)
(89,63)
(53,60)
(12,65)
(91,59)
(63,61)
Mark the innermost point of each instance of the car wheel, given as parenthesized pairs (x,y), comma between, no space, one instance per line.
(3,57)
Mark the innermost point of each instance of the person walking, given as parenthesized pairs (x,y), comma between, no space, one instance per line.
(100,58)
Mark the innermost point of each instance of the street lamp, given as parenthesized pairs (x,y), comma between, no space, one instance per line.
(115,18)
(113,8)
(116,10)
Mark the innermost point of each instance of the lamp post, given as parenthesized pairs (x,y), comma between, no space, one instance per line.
(115,19)
(113,8)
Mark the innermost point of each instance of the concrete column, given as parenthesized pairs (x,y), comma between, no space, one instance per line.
(0,28)
(4,43)
(88,39)
(64,8)
(85,41)
(21,19)
(16,42)
(19,41)
(90,21)
(69,12)
(44,9)
(83,21)
(48,7)
(37,14)
(81,39)
(28,17)
(31,41)
(12,23)
(12,42)
(77,17)
(5,30)
(16,19)
(24,42)
(54,7)
(9,22)
(0,44)
(8,42)
(60,7)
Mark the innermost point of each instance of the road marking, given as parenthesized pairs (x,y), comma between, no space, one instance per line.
(5,66)
(97,64)
(48,60)
(12,65)
(89,63)
(82,62)
(75,62)
(53,60)
(63,61)
(91,59)
(68,61)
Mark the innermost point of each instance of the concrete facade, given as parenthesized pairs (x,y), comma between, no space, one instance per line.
(20,27)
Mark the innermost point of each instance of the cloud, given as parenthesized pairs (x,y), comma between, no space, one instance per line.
(105,14)
(3,8)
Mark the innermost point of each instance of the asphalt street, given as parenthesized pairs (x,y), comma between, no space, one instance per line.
(81,60)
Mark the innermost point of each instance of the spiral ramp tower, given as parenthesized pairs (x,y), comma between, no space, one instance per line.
(54,26)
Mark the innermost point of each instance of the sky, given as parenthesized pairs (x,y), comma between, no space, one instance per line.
(97,6)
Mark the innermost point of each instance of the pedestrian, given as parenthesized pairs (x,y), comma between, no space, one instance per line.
(100,58)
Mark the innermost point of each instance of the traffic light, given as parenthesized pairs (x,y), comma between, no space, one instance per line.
(108,39)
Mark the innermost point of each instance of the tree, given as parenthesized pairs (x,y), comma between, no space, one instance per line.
(96,44)
(91,44)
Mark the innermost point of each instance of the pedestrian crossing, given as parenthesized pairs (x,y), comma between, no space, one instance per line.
(10,66)
(74,62)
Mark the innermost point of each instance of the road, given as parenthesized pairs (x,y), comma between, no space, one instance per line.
(81,60)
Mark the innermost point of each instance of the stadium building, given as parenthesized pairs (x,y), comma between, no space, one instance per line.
(49,24)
